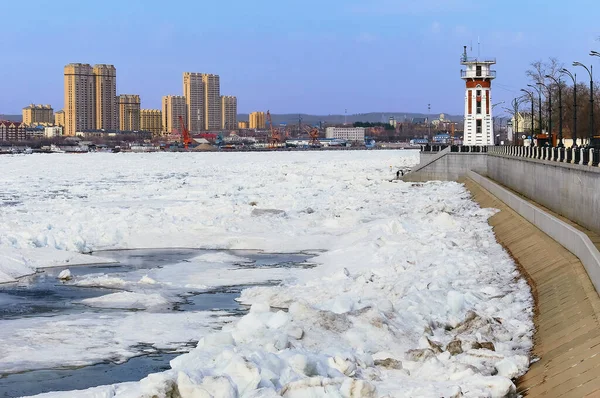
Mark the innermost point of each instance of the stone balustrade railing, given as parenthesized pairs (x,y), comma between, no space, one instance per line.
(581,156)
(454,148)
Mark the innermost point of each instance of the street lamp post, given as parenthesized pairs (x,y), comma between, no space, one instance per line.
(532,103)
(539,104)
(593,54)
(428,121)
(560,110)
(541,84)
(589,71)
(573,77)
(494,118)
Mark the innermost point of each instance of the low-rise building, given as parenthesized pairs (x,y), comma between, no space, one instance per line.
(346,133)
(53,132)
(12,131)
(112,134)
(243,125)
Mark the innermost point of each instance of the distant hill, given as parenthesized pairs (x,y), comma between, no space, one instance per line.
(12,118)
(292,118)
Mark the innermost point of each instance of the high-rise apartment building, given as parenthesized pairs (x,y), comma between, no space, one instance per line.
(212,102)
(38,114)
(151,120)
(129,112)
(105,77)
(173,106)
(228,112)
(257,120)
(80,109)
(193,91)
(59,118)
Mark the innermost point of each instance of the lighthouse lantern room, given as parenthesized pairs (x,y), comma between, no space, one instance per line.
(478,76)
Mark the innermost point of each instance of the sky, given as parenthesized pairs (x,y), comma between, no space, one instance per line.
(290,56)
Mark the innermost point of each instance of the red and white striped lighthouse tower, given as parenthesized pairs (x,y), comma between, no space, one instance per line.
(478,76)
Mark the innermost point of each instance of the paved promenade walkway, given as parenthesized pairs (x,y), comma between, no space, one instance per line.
(567,317)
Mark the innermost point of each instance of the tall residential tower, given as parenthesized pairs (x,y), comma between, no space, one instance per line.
(80,109)
(107,116)
(478,76)
(228,112)
(129,112)
(151,120)
(212,102)
(193,91)
(38,114)
(257,120)
(173,106)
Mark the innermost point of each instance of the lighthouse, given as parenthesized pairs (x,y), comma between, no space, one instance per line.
(478,76)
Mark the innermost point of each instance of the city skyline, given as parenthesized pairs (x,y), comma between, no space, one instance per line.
(355,55)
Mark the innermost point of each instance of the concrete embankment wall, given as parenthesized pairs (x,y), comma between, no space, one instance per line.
(567,315)
(450,166)
(570,190)
(569,237)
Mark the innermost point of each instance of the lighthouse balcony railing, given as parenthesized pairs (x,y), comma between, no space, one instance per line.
(476,74)
(476,60)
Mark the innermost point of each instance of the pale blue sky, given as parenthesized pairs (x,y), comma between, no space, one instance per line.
(307,56)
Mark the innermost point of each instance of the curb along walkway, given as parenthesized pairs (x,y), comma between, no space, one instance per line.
(567,318)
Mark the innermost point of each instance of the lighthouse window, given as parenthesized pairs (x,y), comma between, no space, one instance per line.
(478,125)
(478,71)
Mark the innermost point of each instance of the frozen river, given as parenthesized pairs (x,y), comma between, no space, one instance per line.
(409,294)
(36,298)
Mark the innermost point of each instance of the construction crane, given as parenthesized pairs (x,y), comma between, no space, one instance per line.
(275,136)
(185,134)
(313,133)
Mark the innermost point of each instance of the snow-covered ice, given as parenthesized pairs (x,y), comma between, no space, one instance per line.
(412,296)
(84,339)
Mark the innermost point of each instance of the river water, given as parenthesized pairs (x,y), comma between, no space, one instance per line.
(43,295)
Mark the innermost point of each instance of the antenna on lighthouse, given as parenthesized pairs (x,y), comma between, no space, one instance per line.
(478,47)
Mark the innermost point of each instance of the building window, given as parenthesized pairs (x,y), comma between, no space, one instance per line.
(478,71)
(478,125)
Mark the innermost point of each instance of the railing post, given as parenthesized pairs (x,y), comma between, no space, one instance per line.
(573,155)
(552,156)
(591,157)
(581,155)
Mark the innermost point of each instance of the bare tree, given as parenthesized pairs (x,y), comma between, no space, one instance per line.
(540,69)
